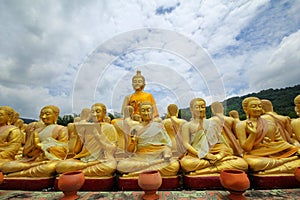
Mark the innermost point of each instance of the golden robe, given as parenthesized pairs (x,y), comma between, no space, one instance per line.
(10,143)
(94,151)
(152,145)
(43,148)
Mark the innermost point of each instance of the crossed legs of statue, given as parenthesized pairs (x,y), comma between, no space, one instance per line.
(272,165)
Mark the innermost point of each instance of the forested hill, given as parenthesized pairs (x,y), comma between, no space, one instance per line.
(282,100)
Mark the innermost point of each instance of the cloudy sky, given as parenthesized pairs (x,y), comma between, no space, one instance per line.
(75,53)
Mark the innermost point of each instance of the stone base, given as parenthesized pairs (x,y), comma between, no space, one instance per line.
(23,183)
(199,182)
(278,181)
(131,183)
(94,184)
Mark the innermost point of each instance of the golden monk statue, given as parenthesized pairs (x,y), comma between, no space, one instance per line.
(45,146)
(265,150)
(94,147)
(229,127)
(123,127)
(282,122)
(296,122)
(234,114)
(10,136)
(139,96)
(85,116)
(151,147)
(173,125)
(207,150)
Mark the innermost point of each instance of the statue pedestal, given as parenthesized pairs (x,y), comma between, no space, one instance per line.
(24,183)
(94,184)
(198,182)
(131,183)
(278,181)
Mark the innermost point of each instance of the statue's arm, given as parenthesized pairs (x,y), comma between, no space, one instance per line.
(242,129)
(186,139)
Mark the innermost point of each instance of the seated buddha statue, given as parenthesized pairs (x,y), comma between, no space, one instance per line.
(45,146)
(94,147)
(139,96)
(206,149)
(173,125)
(265,150)
(123,127)
(234,114)
(10,136)
(150,146)
(283,123)
(295,123)
(85,116)
(228,127)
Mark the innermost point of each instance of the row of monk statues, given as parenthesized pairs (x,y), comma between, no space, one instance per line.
(264,143)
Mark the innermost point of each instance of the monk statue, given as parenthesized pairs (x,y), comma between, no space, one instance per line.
(264,149)
(234,114)
(85,116)
(282,122)
(207,150)
(173,125)
(94,147)
(45,146)
(10,136)
(151,147)
(139,96)
(295,123)
(228,128)
(123,127)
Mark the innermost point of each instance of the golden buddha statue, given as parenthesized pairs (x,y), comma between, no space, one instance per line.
(207,149)
(139,96)
(264,149)
(123,127)
(150,146)
(93,148)
(10,136)
(234,114)
(45,146)
(282,122)
(228,128)
(173,125)
(295,123)
(85,116)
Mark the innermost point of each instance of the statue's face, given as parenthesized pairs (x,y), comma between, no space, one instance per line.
(146,112)
(3,117)
(98,114)
(254,108)
(48,116)
(199,109)
(138,83)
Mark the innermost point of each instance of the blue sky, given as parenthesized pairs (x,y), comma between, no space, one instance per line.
(74,53)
